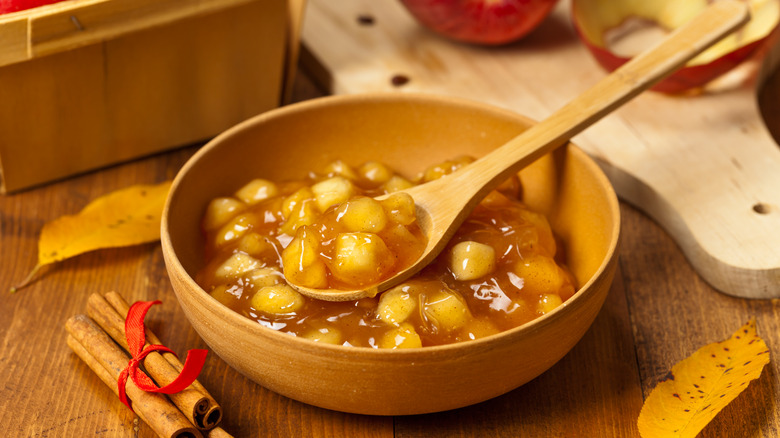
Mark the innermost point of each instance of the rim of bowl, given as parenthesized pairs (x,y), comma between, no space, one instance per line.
(424,98)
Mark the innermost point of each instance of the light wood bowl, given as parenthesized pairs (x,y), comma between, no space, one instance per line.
(408,132)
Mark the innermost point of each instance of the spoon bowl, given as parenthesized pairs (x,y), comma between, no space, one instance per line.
(440,215)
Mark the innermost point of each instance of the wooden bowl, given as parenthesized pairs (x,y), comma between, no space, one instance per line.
(407,132)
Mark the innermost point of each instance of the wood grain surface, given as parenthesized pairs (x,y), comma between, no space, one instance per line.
(658,312)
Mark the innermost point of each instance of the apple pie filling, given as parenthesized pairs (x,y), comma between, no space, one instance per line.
(503,267)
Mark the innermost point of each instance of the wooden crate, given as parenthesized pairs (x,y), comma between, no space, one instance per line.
(89,83)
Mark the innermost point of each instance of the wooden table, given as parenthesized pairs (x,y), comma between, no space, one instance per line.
(657,313)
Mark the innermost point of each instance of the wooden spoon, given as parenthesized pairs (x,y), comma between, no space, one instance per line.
(443,204)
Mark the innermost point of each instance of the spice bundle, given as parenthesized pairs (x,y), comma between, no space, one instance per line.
(190,412)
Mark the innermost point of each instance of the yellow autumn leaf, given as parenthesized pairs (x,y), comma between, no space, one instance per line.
(125,217)
(700,386)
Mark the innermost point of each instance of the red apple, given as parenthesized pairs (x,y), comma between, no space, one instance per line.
(489,22)
(616,30)
(7,6)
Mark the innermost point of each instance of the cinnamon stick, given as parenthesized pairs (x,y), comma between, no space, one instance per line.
(98,369)
(212,414)
(190,401)
(107,360)
(209,415)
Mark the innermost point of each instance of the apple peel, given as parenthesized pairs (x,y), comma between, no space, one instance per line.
(615,31)
(483,22)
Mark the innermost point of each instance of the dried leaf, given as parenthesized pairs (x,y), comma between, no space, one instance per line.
(701,385)
(125,217)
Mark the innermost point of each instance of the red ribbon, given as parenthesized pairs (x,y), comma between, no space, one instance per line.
(136,338)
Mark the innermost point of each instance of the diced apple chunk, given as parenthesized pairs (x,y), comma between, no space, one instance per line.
(400,240)
(548,303)
(403,336)
(362,214)
(264,277)
(305,213)
(255,245)
(480,328)
(361,258)
(470,260)
(400,208)
(396,305)
(235,229)
(236,265)
(257,190)
(293,202)
(326,335)
(445,168)
(446,310)
(277,299)
(225,295)
(540,275)
(332,191)
(340,168)
(301,263)
(375,172)
(396,183)
(220,211)
(545,238)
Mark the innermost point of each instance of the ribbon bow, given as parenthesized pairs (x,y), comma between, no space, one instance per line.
(136,338)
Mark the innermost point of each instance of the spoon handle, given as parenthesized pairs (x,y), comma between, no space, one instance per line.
(640,73)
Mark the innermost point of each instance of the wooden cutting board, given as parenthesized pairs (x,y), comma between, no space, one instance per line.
(704,167)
